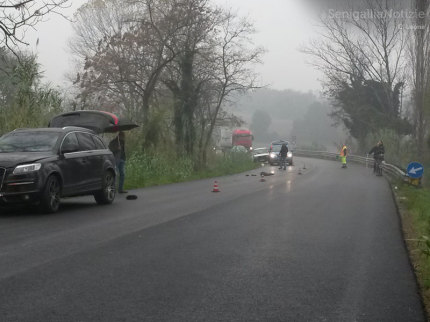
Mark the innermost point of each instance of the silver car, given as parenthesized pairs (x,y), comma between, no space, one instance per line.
(260,155)
(275,148)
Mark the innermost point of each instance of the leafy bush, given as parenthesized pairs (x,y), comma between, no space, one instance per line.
(148,169)
(418,203)
(152,169)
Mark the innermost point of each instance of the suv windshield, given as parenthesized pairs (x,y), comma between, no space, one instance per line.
(277,147)
(28,142)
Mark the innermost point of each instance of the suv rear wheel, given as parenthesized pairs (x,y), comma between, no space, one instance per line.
(107,194)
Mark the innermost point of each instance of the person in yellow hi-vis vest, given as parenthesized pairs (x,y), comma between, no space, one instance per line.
(343,154)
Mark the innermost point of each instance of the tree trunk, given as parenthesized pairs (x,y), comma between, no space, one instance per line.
(188,101)
(179,128)
(421,6)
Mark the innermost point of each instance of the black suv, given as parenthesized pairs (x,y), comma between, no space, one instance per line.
(42,165)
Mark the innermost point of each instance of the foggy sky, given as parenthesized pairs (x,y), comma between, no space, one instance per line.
(283,26)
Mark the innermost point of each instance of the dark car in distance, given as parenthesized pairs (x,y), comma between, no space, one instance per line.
(45,164)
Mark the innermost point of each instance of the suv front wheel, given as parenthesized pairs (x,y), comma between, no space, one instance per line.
(50,199)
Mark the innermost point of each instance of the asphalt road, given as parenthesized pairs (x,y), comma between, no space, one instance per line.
(323,245)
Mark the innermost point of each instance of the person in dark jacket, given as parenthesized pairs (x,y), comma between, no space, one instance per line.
(117,146)
(378,152)
(283,154)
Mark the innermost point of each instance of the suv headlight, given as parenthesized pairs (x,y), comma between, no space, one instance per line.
(289,155)
(273,155)
(26,168)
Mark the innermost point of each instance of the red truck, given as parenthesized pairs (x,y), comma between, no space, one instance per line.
(242,137)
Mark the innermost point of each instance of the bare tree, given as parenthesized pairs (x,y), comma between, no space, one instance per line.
(96,21)
(233,59)
(125,52)
(215,56)
(187,74)
(16,15)
(360,54)
(199,53)
(98,29)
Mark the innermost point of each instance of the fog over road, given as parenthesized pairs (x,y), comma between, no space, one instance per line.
(324,245)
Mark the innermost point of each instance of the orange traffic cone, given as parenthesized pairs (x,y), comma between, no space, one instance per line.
(215,189)
(262,174)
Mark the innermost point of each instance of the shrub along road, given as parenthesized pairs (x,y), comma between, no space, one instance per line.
(324,245)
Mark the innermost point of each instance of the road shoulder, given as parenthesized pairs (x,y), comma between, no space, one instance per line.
(412,239)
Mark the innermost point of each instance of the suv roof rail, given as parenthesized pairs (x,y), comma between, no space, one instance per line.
(77,128)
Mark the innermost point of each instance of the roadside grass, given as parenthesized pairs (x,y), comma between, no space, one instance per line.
(143,170)
(414,204)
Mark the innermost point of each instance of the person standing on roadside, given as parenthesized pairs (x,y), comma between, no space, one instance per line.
(283,156)
(343,154)
(117,146)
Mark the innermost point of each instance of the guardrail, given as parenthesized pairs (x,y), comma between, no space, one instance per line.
(389,169)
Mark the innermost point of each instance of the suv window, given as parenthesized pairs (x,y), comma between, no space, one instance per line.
(99,143)
(70,143)
(86,142)
(276,147)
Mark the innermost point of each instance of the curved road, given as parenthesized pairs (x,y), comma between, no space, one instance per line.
(323,245)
